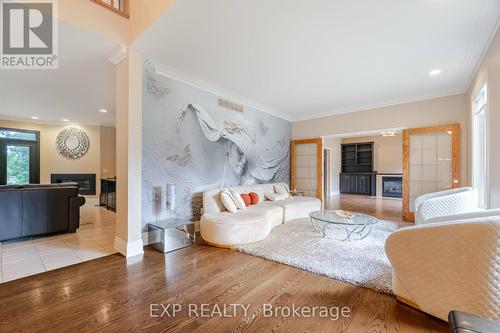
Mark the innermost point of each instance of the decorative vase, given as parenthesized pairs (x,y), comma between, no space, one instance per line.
(170,198)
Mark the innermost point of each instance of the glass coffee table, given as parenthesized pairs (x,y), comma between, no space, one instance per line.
(342,225)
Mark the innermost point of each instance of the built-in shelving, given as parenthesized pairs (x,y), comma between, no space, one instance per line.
(357,157)
(358,176)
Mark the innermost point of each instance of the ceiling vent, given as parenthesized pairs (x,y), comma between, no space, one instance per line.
(230,105)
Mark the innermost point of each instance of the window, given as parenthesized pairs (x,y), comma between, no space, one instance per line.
(120,7)
(480,144)
(19,157)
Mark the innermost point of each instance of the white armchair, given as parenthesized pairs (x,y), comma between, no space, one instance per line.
(449,265)
(445,203)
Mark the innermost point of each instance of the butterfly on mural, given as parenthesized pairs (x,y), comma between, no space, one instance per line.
(183,159)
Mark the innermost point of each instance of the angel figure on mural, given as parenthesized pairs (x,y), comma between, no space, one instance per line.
(244,163)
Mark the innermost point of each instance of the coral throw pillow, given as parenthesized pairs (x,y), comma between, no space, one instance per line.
(246,199)
(254,197)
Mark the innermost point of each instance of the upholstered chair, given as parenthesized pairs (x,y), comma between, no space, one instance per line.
(449,263)
(445,203)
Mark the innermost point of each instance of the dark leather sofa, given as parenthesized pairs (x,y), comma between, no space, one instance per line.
(33,210)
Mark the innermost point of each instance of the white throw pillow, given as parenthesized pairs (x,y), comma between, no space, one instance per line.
(282,189)
(276,196)
(228,201)
(240,204)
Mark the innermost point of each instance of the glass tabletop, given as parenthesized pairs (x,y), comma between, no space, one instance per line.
(343,217)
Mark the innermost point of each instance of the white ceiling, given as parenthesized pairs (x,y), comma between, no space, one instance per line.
(302,59)
(83,84)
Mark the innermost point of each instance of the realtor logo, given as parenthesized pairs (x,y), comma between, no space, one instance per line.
(29,36)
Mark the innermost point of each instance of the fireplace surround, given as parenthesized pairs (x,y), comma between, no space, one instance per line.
(86,181)
(392,186)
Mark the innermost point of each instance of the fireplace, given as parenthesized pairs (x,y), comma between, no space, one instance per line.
(392,187)
(86,181)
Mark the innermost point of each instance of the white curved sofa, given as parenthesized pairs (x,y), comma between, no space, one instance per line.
(224,229)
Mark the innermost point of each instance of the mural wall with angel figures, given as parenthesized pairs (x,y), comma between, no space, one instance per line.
(189,140)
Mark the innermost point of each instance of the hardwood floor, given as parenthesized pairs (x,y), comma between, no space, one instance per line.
(385,209)
(113,294)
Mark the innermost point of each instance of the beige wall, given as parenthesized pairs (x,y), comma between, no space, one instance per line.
(52,162)
(489,71)
(388,151)
(144,13)
(437,111)
(92,17)
(108,151)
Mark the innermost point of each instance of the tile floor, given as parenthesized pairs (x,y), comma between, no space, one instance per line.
(94,239)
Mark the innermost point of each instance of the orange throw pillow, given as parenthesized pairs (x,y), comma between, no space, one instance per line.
(254,197)
(246,199)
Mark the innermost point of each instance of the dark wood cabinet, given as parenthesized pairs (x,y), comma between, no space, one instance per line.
(363,184)
(358,176)
(352,183)
(108,193)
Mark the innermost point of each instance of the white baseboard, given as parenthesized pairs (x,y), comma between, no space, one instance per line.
(334,193)
(129,249)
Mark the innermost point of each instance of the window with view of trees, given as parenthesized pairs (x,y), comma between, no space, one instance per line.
(18,165)
(19,157)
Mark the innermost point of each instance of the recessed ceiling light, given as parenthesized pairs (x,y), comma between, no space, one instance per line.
(103,110)
(435,72)
(65,120)
(34,117)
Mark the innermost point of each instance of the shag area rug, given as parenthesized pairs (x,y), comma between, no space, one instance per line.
(362,262)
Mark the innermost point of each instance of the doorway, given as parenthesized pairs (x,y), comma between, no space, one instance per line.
(19,157)
(326,172)
(306,167)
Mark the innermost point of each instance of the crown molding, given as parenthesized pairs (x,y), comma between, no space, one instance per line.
(183,77)
(377,106)
(478,55)
(482,24)
(118,54)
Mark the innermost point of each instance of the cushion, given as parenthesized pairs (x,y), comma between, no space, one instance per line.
(246,199)
(240,204)
(228,201)
(254,197)
(276,196)
(282,189)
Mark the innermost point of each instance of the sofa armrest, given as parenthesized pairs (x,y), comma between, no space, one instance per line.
(427,196)
(451,204)
(466,216)
(74,212)
(449,265)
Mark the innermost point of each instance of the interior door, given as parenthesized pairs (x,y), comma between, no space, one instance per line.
(431,163)
(19,163)
(306,169)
